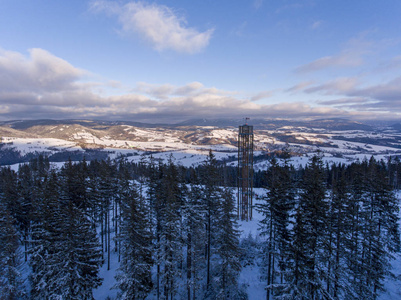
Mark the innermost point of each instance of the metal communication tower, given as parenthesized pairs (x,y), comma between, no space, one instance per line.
(245,171)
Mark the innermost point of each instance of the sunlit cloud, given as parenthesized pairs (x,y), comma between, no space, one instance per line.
(347,101)
(336,86)
(300,86)
(41,85)
(345,59)
(40,71)
(157,24)
(351,56)
(262,95)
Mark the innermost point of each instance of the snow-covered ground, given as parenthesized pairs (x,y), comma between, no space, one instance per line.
(188,146)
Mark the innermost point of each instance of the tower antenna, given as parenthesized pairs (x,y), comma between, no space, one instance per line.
(245,171)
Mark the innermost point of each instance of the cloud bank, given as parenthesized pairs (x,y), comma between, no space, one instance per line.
(41,85)
(157,24)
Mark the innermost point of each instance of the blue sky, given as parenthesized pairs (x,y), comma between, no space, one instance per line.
(167,61)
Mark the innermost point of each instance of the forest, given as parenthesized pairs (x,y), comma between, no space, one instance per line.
(327,232)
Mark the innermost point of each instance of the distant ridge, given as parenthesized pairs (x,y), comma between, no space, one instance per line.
(338,137)
(333,124)
(25,124)
(271,124)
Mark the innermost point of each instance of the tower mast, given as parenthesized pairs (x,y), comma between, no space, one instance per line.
(245,171)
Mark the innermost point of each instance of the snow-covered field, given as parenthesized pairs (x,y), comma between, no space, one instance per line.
(188,154)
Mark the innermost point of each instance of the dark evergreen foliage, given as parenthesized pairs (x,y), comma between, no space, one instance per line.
(275,208)
(327,232)
(134,278)
(11,285)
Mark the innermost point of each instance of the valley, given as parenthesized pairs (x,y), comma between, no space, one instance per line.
(189,142)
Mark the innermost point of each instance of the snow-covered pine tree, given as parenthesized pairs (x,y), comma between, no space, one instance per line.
(194,214)
(309,235)
(154,198)
(171,242)
(40,168)
(211,195)
(380,231)
(338,283)
(46,235)
(9,190)
(107,196)
(134,278)
(274,227)
(11,284)
(66,254)
(227,264)
(354,238)
(23,205)
(79,258)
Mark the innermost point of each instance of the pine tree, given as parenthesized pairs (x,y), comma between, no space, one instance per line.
(276,208)
(226,270)
(355,238)
(379,232)
(210,180)
(170,247)
(309,234)
(11,285)
(66,256)
(339,224)
(154,198)
(107,196)
(134,277)
(24,203)
(194,211)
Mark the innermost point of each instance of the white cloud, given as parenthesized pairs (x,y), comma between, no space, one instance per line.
(316,24)
(344,59)
(299,87)
(336,86)
(41,71)
(262,95)
(41,85)
(351,56)
(157,24)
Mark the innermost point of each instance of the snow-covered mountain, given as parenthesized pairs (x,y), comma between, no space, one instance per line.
(337,139)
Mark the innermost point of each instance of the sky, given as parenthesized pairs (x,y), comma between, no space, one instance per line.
(169,61)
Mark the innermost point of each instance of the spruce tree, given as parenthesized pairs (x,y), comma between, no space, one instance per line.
(275,208)
(380,229)
(337,279)
(11,285)
(194,211)
(171,242)
(309,234)
(227,265)
(211,193)
(134,278)
(154,198)
(65,257)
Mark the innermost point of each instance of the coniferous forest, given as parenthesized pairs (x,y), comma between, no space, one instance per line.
(326,232)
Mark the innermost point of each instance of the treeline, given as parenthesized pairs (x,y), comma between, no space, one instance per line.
(10,155)
(173,240)
(326,232)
